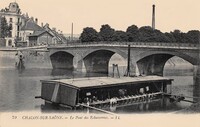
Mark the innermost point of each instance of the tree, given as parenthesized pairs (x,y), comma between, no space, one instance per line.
(170,37)
(132,33)
(120,36)
(189,37)
(145,34)
(177,35)
(89,34)
(106,33)
(158,36)
(5,29)
(194,36)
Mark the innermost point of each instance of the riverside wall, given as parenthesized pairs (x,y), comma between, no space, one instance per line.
(32,59)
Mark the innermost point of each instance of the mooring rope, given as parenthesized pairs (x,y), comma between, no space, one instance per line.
(181,95)
(101,110)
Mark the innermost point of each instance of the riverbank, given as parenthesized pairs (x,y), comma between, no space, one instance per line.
(32,59)
(188,90)
(194,108)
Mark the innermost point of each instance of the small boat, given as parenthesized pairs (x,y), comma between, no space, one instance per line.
(176,98)
(103,90)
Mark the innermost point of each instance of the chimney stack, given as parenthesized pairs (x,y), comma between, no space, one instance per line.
(72,30)
(36,20)
(32,18)
(54,29)
(42,24)
(153,18)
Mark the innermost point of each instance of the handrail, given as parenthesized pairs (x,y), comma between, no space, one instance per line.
(131,43)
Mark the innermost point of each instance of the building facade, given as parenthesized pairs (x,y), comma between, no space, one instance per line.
(39,38)
(28,29)
(16,20)
(58,38)
(25,28)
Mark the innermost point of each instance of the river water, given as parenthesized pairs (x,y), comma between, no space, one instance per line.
(18,89)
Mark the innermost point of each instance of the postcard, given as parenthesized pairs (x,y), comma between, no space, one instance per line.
(99,63)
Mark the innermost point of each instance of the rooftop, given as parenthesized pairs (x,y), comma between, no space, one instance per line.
(38,33)
(31,25)
(106,81)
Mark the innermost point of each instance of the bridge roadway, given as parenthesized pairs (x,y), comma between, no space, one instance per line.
(133,44)
(150,57)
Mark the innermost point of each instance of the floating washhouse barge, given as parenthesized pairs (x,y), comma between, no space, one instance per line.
(100,90)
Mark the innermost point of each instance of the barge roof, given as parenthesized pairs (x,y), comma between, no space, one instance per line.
(106,81)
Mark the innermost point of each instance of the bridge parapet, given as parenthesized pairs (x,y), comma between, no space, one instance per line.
(133,44)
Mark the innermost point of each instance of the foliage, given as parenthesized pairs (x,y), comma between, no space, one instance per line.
(120,36)
(170,37)
(193,36)
(5,29)
(106,33)
(160,37)
(177,35)
(145,34)
(89,34)
(132,33)
(142,34)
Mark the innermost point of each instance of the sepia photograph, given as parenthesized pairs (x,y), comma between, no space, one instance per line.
(99,62)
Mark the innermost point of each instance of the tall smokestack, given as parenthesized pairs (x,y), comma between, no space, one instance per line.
(153,18)
(72,29)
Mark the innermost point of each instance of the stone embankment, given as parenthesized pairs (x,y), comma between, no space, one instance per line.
(194,108)
(31,58)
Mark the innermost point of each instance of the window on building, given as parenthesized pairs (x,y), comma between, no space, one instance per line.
(18,34)
(9,42)
(10,34)
(11,26)
(11,19)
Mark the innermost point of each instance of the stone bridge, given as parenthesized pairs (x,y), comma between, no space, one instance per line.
(150,58)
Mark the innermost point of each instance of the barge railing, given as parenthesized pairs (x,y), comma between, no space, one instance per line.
(126,98)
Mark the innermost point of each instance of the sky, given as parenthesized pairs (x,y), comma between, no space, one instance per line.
(119,14)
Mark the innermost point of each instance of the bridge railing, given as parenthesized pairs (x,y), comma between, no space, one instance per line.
(140,44)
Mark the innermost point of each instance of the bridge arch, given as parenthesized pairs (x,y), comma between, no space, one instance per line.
(153,62)
(62,60)
(122,53)
(97,60)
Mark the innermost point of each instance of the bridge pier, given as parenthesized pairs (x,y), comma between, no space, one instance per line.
(78,63)
(80,66)
(196,81)
(196,73)
(133,67)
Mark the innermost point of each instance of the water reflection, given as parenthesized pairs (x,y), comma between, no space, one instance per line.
(18,89)
(61,72)
(196,89)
